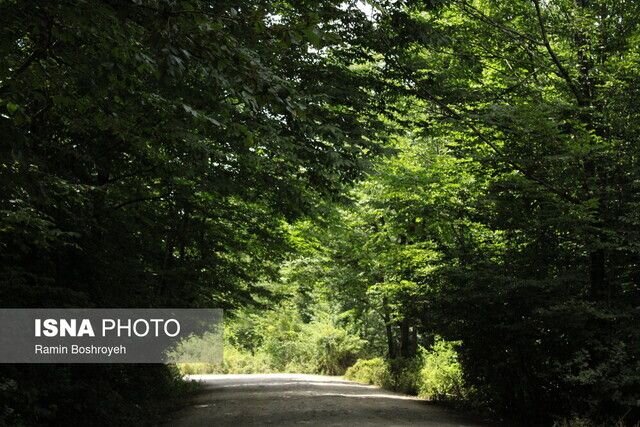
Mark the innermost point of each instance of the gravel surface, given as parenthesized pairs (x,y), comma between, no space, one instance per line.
(314,400)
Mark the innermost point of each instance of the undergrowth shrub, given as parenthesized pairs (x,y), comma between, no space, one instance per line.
(335,349)
(279,341)
(441,373)
(432,374)
(371,371)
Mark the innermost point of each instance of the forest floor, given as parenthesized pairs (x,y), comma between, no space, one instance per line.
(295,399)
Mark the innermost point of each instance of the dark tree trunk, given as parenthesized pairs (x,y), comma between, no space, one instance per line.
(391,347)
(405,339)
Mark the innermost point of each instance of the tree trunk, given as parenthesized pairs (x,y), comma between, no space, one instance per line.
(391,347)
(405,339)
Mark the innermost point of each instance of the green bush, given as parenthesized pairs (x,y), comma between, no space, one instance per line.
(441,374)
(235,361)
(335,349)
(433,374)
(398,375)
(374,371)
(242,362)
(406,374)
(279,341)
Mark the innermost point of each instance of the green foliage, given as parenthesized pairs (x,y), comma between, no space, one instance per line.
(406,374)
(434,374)
(371,371)
(335,349)
(281,342)
(441,373)
(173,153)
(235,361)
(151,153)
(241,362)
(450,255)
(508,218)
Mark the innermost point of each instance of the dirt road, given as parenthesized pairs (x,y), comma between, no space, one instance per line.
(293,399)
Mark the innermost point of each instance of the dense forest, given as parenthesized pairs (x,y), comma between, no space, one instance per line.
(438,196)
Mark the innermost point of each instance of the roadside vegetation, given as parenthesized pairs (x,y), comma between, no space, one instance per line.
(277,341)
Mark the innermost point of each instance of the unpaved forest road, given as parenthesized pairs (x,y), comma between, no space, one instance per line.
(293,399)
